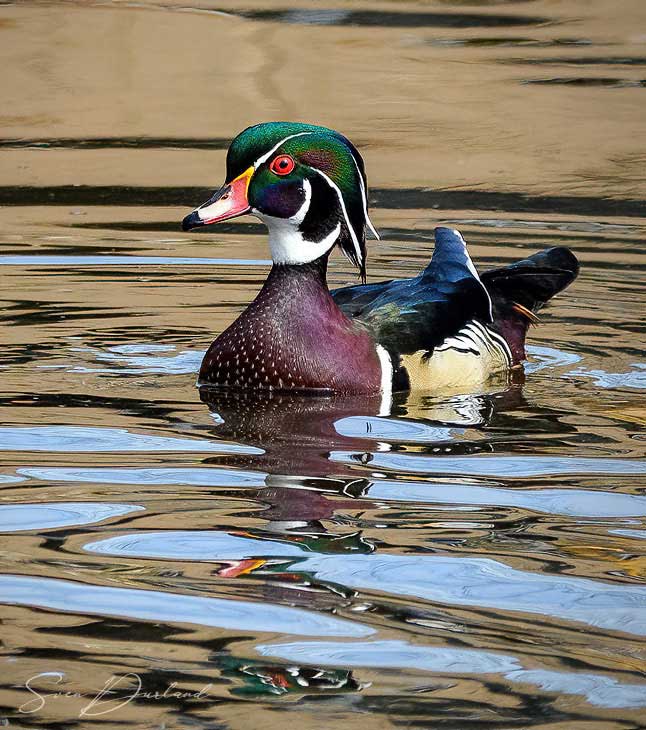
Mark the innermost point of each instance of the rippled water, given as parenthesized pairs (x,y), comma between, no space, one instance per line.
(466,561)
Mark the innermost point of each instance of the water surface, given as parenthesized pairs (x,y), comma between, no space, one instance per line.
(465,561)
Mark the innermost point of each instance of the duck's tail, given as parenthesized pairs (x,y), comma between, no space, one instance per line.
(520,290)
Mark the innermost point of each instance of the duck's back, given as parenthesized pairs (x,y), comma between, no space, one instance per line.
(449,327)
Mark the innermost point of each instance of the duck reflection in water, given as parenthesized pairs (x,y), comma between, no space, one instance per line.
(257,678)
(299,435)
(322,505)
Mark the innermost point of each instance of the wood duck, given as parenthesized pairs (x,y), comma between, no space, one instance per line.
(448,327)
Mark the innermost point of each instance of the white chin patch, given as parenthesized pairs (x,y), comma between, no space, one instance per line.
(286,242)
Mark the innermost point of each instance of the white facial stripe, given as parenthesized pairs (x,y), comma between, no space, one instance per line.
(357,248)
(365,200)
(353,235)
(267,155)
(300,214)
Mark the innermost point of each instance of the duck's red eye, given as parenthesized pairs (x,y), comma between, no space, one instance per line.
(282,165)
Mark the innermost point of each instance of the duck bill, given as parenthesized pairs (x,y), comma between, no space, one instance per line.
(228,202)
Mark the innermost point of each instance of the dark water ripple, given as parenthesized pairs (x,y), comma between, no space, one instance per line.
(588,81)
(581,61)
(112,143)
(380,18)
(511,42)
(398,199)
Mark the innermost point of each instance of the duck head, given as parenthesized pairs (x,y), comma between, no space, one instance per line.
(306,183)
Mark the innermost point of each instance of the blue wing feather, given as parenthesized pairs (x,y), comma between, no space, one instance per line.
(408,315)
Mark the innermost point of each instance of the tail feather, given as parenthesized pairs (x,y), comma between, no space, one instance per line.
(520,290)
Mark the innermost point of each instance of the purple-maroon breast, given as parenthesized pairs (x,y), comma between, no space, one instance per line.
(293,336)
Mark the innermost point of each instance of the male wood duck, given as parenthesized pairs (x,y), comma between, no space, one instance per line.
(448,327)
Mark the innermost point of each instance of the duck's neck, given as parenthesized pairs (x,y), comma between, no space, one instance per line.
(296,307)
(294,336)
(288,283)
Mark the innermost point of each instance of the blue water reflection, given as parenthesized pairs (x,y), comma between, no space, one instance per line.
(572,502)
(18,517)
(91,439)
(197,476)
(499,467)
(65,595)
(599,690)
(458,581)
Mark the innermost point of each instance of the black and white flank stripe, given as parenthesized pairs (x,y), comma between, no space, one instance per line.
(477,339)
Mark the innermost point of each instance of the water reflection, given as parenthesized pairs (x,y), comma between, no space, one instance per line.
(259,678)
(500,467)
(598,689)
(117,261)
(464,561)
(165,607)
(327,422)
(272,419)
(90,439)
(102,143)
(18,517)
(456,581)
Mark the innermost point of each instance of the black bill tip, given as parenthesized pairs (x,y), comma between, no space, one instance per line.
(192,220)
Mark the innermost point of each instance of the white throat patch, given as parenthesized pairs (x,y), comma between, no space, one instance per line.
(286,242)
